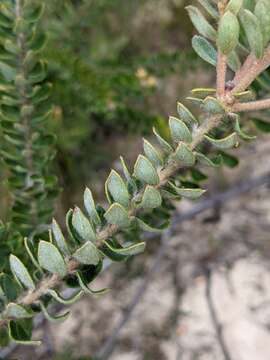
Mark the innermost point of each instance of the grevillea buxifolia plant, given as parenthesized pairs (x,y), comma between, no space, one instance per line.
(240,42)
(26,147)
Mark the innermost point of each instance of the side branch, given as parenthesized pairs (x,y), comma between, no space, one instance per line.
(252,106)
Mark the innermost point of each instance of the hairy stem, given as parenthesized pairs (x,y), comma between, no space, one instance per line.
(252,106)
(221,74)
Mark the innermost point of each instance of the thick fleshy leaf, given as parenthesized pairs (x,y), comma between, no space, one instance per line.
(145,171)
(203,92)
(234,6)
(117,215)
(82,226)
(21,273)
(53,318)
(166,147)
(184,154)
(151,198)
(253,32)
(51,259)
(129,250)
(29,248)
(179,130)
(204,160)
(87,254)
(188,193)
(18,311)
(59,238)
(200,23)
(146,227)
(204,49)
(212,105)
(185,115)
(210,8)
(90,206)
(152,154)
(20,331)
(262,12)
(86,288)
(228,33)
(240,132)
(117,188)
(65,301)
(225,143)
(113,256)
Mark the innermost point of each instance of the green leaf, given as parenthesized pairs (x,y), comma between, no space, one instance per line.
(228,33)
(87,254)
(229,160)
(129,250)
(166,147)
(234,6)
(86,288)
(253,32)
(203,92)
(4,337)
(210,8)
(152,154)
(90,206)
(204,49)
(106,250)
(117,188)
(184,154)
(18,311)
(20,331)
(20,272)
(225,143)
(240,132)
(34,12)
(59,238)
(209,162)
(188,193)
(10,288)
(132,187)
(200,23)
(65,301)
(151,198)
(117,215)
(7,71)
(185,115)
(29,248)
(146,227)
(262,12)
(261,125)
(179,130)
(51,318)
(82,226)
(145,171)
(212,105)
(51,259)
(197,175)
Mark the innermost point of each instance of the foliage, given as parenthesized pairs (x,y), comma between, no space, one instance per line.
(139,200)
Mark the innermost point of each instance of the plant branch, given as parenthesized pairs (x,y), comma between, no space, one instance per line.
(250,70)
(221,74)
(252,106)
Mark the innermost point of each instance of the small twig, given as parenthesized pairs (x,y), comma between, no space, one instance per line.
(214,318)
(221,74)
(252,106)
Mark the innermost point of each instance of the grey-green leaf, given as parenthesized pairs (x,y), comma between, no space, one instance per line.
(204,160)
(200,23)
(166,147)
(117,215)
(145,171)
(82,226)
(87,254)
(21,273)
(18,311)
(117,188)
(188,193)
(50,259)
(186,115)
(66,301)
(225,143)
(262,12)
(59,238)
(212,105)
(56,318)
(234,6)
(179,130)
(90,206)
(228,33)
(152,154)
(253,32)
(129,250)
(151,198)
(184,154)
(204,49)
